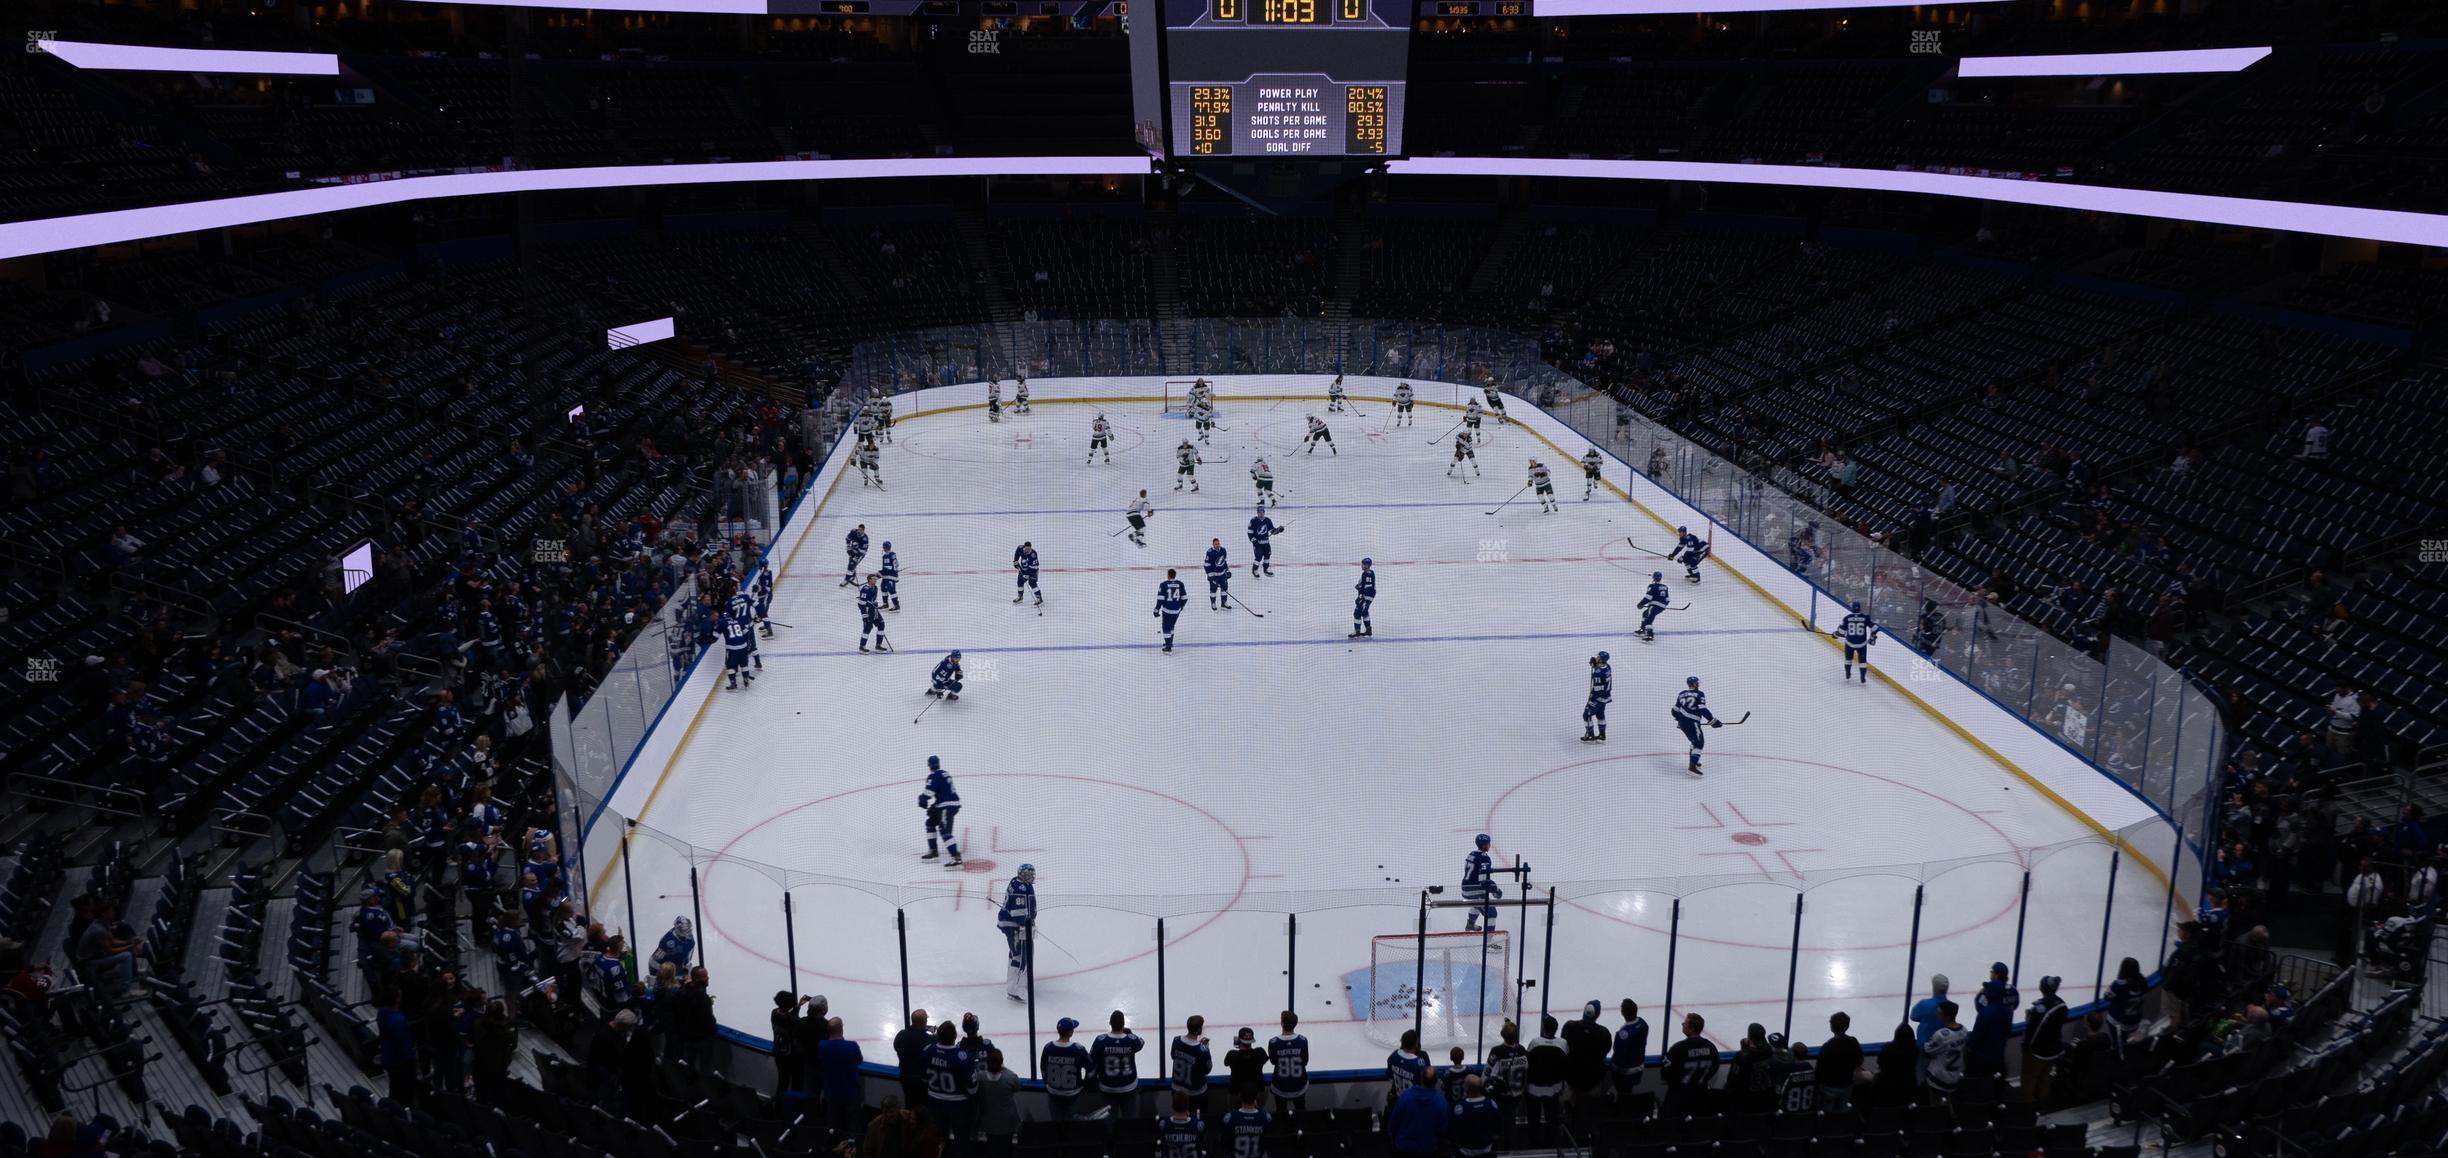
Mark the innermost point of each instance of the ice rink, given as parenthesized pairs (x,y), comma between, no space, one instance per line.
(1271,775)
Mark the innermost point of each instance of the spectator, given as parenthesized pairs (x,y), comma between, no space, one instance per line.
(785,1032)
(1631,1053)
(1417,1126)
(1750,1081)
(1115,1057)
(1993,1012)
(492,1043)
(998,1109)
(1898,1078)
(1247,1065)
(1838,1065)
(1063,1064)
(893,1132)
(1690,1064)
(1942,1060)
(1478,1122)
(2043,1043)
(395,1047)
(1797,1081)
(1288,1054)
(1193,1060)
(2363,896)
(838,1061)
(1178,1134)
(2125,1002)
(1585,1056)
(951,1085)
(1543,1082)
(909,1054)
(108,950)
(691,1034)
(1925,1011)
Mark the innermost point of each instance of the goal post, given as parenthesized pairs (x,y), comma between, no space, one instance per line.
(1457,987)
(1177,397)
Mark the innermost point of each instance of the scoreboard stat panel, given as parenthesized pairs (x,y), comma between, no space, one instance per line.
(1287,78)
(1287,116)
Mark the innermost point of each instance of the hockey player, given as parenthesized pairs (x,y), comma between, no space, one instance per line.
(1543,484)
(1020,396)
(1024,563)
(1470,418)
(1188,458)
(994,400)
(764,594)
(1589,473)
(1466,449)
(739,644)
(1495,403)
(1931,631)
(1171,597)
(1140,513)
(1017,918)
(1262,544)
(946,680)
(1317,434)
(1689,550)
(1201,390)
(884,419)
(1202,416)
(1219,577)
(869,462)
(871,616)
(1856,633)
(891,574)
(1479,885)
(856,544)
(1264,476)
(1653,601)
(1691,710)
(942,804)
(1364,594)
(865,427)
(1402,404)
(1100,440)
(1602,690)
(1334,395)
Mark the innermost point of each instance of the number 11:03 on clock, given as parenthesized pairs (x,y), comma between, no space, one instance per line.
(1364,107)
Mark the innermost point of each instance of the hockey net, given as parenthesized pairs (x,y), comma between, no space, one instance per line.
(1448,986)
(1177,397)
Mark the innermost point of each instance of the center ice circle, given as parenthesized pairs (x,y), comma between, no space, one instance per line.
(878,824)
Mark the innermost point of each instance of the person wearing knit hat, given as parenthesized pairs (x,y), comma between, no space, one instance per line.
(2043,1042)
(1925,1011)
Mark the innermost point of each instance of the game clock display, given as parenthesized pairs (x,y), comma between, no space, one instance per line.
(1287,78)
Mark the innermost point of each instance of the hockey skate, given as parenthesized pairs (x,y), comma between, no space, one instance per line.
(931,854)
(1018,598)
(954,864)
(1041,599)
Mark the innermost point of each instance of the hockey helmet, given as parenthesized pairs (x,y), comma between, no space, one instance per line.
(934,761)
(1028,871)
(955,653)
(1368,562)
(1691,681)
(1262,508)
(1682,530)
(1481,840)
(1657,576)
(1857,605)
(888,544)
(1605,658)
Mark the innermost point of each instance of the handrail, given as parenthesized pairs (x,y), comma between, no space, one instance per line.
(271,1062)
(418,664)
(219,820)
(15,786)
(113,1075)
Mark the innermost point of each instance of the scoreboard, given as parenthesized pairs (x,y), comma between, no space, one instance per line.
(1286,78)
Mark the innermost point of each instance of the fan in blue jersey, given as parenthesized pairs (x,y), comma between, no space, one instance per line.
(1407,1066)
(856,544)
(951,1077)
(1689,550)
(1219,576)
(1178,1134)
(942,804)
(890,572)
(1063,1064)
(1932,629)
(1857,633)
(1364,594)
(1653,601)
(1477,1122)
(1244,1128)
(1171,597)
(1602,691)
(1288,1053)
(1114,1056)
(739,645)
(1479,885)
(1018,918)
(946,680)
(1262,544)
(1024,563)
(871,616)
(1691,710)
(764,594)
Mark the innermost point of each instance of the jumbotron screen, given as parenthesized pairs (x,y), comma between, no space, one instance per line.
(1286,78)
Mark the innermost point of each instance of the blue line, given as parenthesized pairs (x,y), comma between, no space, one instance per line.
(1302,642)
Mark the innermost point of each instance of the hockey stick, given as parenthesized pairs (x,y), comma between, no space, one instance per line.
(1508,502)
(930,706)
(779,623)
(1644,550)
(1246,607)
(1746,716)
(1441,437)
